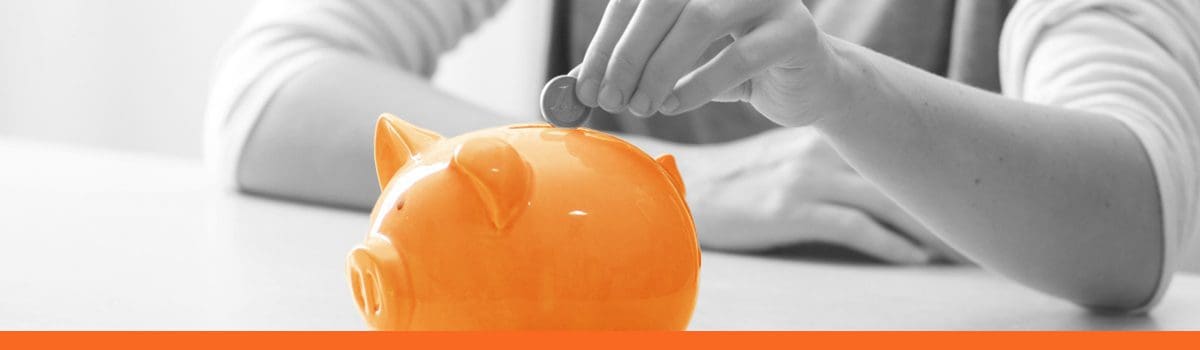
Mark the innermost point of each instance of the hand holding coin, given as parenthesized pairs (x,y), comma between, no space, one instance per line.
(559,104)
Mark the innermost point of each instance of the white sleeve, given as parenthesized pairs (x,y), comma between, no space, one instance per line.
(280,38)
(1135,61)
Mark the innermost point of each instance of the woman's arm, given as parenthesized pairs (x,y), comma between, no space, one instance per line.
(1062,200)
(1085,193)
(313,141)
(301,82)
(1111,91)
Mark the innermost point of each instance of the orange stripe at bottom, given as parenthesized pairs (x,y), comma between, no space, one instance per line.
(600,340)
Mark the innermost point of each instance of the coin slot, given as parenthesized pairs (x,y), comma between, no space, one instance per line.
(531,126)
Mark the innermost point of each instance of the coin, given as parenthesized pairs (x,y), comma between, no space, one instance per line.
(559,104)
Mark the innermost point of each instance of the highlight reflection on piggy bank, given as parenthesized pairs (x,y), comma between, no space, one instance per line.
(524,227)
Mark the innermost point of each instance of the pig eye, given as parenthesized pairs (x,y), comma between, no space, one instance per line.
(400,204)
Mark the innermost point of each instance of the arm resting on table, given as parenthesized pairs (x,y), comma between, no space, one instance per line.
(313,141)
(1059,195)
(298,88)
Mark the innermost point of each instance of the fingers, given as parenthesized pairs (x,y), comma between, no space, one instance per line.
(690,36)
(595,61)
(856,230)
(650,24)
(855,191)
(727,73)
(647,45)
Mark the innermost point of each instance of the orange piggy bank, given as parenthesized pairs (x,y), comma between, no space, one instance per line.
(524,227)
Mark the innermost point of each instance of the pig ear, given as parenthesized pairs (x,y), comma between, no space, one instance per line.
(499,174)
(667,162)
(396,142)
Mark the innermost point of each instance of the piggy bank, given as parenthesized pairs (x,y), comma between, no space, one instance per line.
(524,227)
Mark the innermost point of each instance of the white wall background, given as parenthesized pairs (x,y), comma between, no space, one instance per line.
(128,74)
(133,74)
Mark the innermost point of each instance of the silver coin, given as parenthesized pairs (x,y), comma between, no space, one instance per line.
(559,104)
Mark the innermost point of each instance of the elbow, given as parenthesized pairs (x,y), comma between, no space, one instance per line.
(1111,271)
(1118,285)
(220,152)
(1116,259)
(1119,298)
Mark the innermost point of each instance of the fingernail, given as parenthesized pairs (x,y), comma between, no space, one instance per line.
(587,92)
(640,105)
(670,104)
(610,98)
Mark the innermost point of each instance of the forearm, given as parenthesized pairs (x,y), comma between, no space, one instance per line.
(1064,201)
(313,140)
(299,85)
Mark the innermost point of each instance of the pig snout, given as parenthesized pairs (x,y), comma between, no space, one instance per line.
(379,284)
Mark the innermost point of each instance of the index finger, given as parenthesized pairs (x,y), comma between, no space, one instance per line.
(616,17)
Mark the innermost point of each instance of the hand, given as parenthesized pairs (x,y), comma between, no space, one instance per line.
(642,56)
(789,186)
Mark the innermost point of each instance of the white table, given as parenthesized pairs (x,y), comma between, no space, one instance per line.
(105,240)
